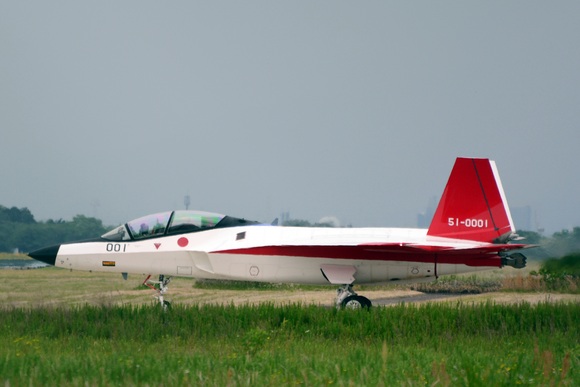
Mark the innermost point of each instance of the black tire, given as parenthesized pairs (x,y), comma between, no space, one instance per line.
(366,303)
(166,305)
(356,302)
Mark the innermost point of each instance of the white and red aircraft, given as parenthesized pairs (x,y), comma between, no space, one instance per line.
(471,230)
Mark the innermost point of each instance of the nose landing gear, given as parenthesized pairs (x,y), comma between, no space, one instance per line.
(160,287)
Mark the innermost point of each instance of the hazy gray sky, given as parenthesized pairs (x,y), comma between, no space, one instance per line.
(118,109)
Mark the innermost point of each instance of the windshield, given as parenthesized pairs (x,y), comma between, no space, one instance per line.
(164,223)
(186,221)
(150,225)
(117,234)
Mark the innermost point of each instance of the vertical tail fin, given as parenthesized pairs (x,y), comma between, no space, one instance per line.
(473,205)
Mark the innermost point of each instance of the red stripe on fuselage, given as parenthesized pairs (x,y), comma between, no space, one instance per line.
(371,253)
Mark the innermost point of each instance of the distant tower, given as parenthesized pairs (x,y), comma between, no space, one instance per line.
(538,227)
(284,217)
(186,201)
(95,204)
(424,220)
(522,217)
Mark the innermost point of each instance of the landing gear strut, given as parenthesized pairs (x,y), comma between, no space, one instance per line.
(160,289)
(346,298)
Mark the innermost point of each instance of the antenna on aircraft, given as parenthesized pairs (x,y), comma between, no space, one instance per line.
(186,201)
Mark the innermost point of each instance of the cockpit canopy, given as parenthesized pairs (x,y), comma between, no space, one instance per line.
(171,223)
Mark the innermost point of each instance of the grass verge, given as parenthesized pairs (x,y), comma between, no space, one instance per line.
(461,344)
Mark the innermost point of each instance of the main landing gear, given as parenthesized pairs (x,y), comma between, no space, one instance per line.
(347,298)
(160,287)
(515,260)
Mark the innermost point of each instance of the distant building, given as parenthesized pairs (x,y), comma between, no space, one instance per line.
(522,217)
(424,219)
(284,217)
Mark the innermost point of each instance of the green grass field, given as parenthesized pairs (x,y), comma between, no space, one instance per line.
(75,328)
(461,344)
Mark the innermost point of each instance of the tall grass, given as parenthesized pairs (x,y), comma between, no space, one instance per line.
(460,284)
(459,344)
(526,282)
(212,284)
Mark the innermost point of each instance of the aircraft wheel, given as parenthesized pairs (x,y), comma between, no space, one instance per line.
(356,302)
(166,305)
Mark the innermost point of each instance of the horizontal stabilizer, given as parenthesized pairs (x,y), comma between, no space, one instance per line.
(402,247)
(449,250)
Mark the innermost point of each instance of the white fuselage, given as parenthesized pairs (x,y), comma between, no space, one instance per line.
(274,254)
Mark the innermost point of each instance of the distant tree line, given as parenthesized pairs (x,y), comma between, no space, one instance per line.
(305,223)
(20,231)
(561,243)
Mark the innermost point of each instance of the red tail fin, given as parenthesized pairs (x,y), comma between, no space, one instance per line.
(473,205)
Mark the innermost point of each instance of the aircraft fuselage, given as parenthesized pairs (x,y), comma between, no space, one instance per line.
(471,230)
(278,254)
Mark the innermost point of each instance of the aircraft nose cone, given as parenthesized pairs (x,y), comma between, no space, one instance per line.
(46,255)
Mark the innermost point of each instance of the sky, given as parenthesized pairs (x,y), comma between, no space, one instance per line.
(356,110)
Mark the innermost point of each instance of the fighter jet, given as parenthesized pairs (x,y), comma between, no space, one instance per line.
(472,230)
